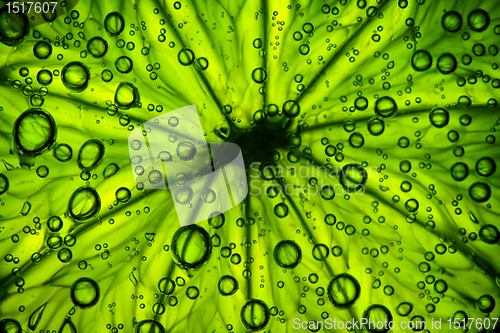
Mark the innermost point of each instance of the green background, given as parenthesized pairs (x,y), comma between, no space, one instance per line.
(411,233)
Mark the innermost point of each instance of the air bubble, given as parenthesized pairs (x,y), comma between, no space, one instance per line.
(344,290)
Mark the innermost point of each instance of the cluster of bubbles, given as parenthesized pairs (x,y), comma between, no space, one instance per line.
(304,133)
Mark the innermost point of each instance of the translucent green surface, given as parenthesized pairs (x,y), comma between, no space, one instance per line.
(369,133)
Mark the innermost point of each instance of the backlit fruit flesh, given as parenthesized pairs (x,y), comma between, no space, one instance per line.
(368,131)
